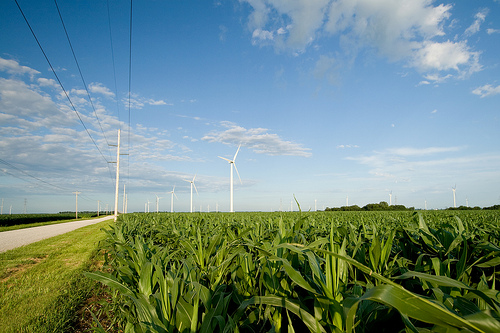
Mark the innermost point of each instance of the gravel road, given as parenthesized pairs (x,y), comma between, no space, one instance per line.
(16,238)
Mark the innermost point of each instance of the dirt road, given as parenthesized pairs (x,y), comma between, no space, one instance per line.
(15,238)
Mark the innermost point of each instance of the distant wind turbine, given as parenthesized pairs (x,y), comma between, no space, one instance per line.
(390,198)
(231,162)
(172,199)
(192,184)
(157,202)
(454,189)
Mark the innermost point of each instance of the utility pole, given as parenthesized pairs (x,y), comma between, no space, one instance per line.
(123,210)
(117,174)
(98,207)
(76,210)
(25,211)
(1,210)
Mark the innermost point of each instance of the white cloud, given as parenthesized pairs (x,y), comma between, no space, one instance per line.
(13,67)
(159,102)
(18,99)
(257,139)
(445,56)
(138,103)
(401,30)
(43,82)
(492,31)
(408,151)
(261,35)
(474,28)
(486,90)
(99,88)
(347,146)
(436,78)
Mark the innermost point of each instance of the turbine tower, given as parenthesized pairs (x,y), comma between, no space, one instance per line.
(231,162)
(157,202)
(172,199)
(454,189)
(192,184)
(390,198)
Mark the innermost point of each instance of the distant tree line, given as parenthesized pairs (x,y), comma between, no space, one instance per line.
(381,206)
(384,206)
(494,207)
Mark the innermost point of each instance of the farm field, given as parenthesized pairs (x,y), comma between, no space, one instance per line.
(304,271)
(21,221)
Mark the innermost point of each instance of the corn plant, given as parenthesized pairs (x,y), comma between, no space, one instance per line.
(321,272)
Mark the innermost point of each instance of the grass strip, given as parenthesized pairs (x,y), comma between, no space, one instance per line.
(38,224)
(42,284)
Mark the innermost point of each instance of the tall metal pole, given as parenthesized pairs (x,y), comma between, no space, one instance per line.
(98,207)
(123,210)
(117,175)
(76,210)
(231,183)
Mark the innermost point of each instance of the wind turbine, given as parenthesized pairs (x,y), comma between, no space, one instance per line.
(454,189)
(157,202)
(172,199)
(390,198)
(231,162)
(192,184)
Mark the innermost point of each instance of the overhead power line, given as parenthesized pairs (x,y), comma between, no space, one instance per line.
(46,183)
(59,81)
(84,84)
(113,62)
(80,71)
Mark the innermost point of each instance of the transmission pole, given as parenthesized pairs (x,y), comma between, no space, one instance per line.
(117,174)
(123,210)
(98,207)
(76,210)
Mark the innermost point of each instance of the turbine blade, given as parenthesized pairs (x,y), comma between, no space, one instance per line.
(187,180)
(195,188)
(175,195)
(225,159)
(237,172)
(234,158)
(194,177)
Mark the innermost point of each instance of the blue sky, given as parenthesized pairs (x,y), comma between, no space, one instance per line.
(329,100)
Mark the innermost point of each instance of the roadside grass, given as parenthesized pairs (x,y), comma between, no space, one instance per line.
(42,284)
(31,225)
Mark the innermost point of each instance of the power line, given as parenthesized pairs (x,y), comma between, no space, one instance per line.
(59,81)
(27,174)
(113,62)
(129,86)
(84,83)
(80,71)
(36,178)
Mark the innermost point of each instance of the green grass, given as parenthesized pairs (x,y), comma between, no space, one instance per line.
(38,224)
(42,285)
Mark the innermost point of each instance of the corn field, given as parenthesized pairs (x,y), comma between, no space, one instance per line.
(304,271)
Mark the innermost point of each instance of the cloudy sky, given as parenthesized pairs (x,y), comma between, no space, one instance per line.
(329,99)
